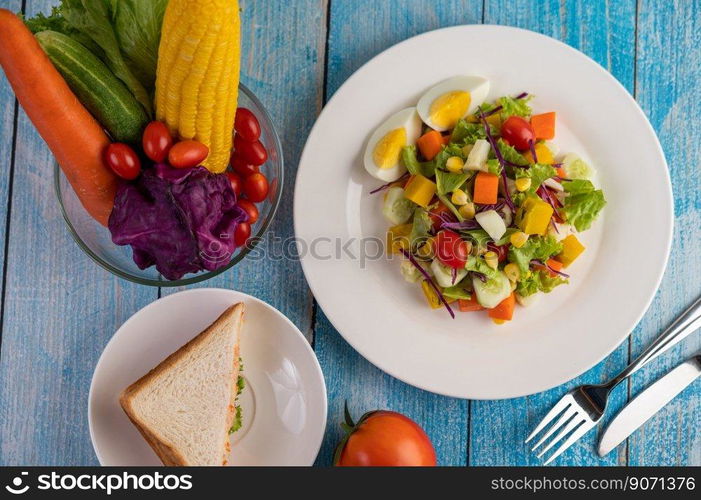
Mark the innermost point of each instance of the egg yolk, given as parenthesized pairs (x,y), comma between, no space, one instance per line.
(449,108)
(388,149)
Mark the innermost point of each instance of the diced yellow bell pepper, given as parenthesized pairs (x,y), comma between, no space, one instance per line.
(535,216)
(398,238)
(571,249)
(420,190)
(431,295)
(542,152)
(494,120)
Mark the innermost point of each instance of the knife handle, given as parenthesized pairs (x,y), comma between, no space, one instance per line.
(688,322)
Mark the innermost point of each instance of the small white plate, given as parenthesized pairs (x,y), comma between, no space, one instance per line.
(284,403)
(569,330)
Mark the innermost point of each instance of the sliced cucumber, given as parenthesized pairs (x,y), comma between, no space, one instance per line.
(493,291)
(397,209)
(444,274)
(576,168)
(492,223)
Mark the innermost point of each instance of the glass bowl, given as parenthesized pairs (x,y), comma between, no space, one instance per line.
(96,241)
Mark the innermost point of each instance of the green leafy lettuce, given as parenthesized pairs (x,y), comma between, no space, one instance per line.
(447,182)
(582,204)
(538,173)
(537,247)
(478,264)
(538,281)
(421,225)
(240,386)
(511,106)
(466,132)
(510,154)
(459,291)
(479,237)
(413,165)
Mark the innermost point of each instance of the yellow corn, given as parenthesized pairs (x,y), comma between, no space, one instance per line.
(197,77)
(467,210)
(512,271)
(491,259)
(459,197)
(522,183)
(454,164)
(518,239)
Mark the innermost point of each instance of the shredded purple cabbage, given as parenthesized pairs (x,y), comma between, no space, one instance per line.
(386,186)
(427,277)
(500,159)
(497,206)
(500,107)
(461,226)
(531,145)
(479,276)
(545,265)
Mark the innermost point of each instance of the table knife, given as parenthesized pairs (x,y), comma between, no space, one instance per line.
(649,402)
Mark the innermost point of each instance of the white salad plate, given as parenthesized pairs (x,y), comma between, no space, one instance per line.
(569,330)
(283,404)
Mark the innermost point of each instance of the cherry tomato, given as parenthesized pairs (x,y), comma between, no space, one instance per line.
(501,250)
(246,125)
(251,152)
(241,167)
(157,141)
(255,187)
(187,154)
(250,209)
(385,438)
(236,183)
(451,250)
(517,132)
(123,160)
(242,233)
(437,214)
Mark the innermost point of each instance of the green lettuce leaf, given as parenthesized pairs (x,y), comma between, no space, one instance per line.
(240,386)
(493,166)
(478,264)
(479,237)
(511,106)
(447,182)
(537,247)
(413,165)
(510,154)
(538,173)
(538,281)
(466,132)
(582,204)
(421,225)
(458,291)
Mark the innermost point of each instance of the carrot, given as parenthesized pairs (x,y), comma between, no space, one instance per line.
(486,188)
(445,139)
(561,172)
(76,140)
(505,309)
(555,265)
(543,125)
(469,305)
(430,144)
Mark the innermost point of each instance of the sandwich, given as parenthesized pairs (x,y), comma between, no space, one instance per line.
(185,408)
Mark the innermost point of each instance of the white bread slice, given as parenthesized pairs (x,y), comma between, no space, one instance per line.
(184,407)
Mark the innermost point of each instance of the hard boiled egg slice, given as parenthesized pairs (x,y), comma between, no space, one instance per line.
(383,152)
(445,103)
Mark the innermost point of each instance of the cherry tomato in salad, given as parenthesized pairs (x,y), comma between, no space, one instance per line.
(187,154)
(236,182)
(501,251)
(157,141)
(451,249)
(438,215)
(242,167)
(251,152)
(517,132)
(123,160)
(242,233)
(246,125)
(255,187)
(250,208)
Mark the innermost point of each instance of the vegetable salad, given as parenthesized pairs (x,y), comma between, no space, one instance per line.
(485,212)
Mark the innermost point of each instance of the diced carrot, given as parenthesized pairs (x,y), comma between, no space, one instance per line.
(445,139)
(486,188)
(543,125)
(555,265)
(469,305)
(561,172)
(430,144)
(505,310)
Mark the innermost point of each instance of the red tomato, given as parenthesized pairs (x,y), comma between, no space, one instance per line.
(242,233)
(501,251)
(517,132)
(436,213)
(187,154)
(385,438)
(236,183)
(241,167)
(246,125)
(250,209)
(451,250)
(255,187)
(157,141)
(251,152)
(123,160)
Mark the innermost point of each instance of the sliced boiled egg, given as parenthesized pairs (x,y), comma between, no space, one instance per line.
(384,150)
(445,103)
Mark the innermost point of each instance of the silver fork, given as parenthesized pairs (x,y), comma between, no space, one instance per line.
(581,409)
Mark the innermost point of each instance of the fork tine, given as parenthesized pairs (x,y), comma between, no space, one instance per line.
(554,412)
(570,441)
(566,416)
(571,425)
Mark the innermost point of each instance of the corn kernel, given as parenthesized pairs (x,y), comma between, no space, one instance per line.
(491,259)
(454,164)
(512,272)
(498,321)
(467,210)
(459,197)
(518,239)
(523,183)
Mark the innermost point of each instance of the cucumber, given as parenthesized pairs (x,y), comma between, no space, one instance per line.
(493,291)
(396,208)
(96,87)
(444,274)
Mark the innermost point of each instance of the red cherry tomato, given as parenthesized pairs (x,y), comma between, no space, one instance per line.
(437,214)
(241,167)
(451,249)
(385,438)
(246,125)
(157,141)
(501,250)
(251,152)
(242,233)
(517,132)
(123,160)
(187,154)
(250,209)
(255,187)
(236,183)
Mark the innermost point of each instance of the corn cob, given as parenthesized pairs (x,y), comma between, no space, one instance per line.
(198,74)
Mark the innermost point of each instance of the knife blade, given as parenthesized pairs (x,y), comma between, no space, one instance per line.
(649,402)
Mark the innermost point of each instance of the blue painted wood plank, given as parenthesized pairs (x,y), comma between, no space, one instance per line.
(60,311)
(606,32)
(357,32)
(667,87)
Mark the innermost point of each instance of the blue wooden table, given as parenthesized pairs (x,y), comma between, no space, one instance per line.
(59,309)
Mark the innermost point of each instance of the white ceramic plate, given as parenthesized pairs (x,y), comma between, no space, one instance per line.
(568,331)
(284,403)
